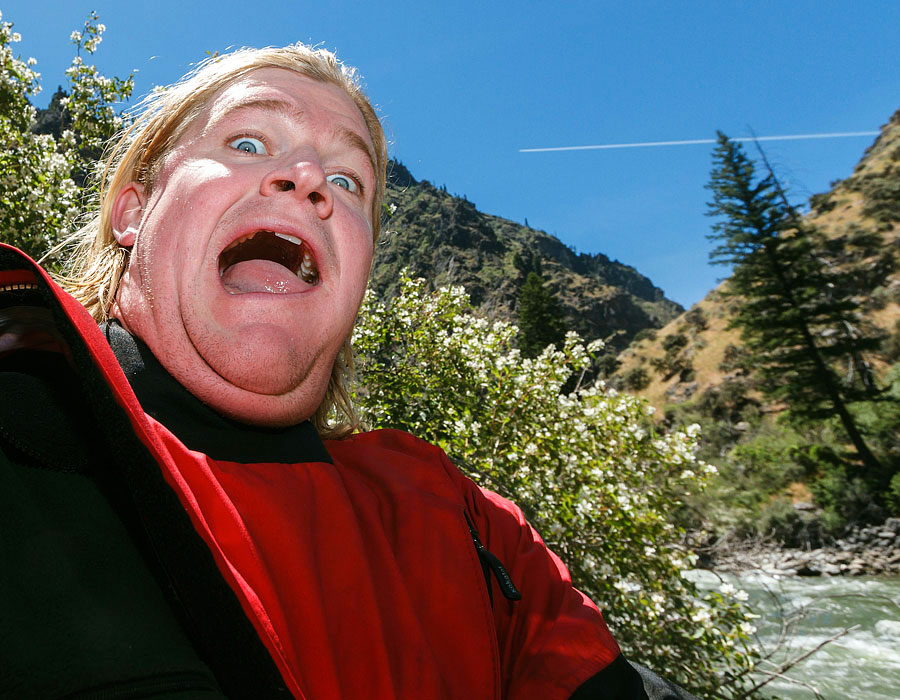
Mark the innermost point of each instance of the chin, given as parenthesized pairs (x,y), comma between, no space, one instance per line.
(264,410)
(269,391)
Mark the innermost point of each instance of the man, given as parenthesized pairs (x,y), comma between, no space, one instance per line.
(171,523)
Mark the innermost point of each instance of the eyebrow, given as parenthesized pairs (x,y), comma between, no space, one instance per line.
(345,135)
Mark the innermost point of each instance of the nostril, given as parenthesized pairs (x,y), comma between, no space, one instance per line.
(284,185)
(316,197)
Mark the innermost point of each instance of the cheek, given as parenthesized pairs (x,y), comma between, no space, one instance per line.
(186,204)
(362,265)
(199,170)
(190,190)
(361,247)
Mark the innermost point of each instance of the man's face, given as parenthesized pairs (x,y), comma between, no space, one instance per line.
(251,253)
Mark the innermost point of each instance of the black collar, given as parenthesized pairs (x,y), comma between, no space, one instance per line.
(198,426)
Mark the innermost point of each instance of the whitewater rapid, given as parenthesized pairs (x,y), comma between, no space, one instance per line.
(863,664)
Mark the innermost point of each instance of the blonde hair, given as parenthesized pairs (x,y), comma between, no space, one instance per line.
(96,262)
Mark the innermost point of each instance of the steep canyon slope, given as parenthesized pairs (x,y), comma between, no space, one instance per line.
(446,240)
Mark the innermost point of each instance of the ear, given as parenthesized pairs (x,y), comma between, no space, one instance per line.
(127,210)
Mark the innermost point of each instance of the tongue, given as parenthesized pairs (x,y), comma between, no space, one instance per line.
(261,276)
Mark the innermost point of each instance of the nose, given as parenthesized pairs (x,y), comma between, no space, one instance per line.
(303,178)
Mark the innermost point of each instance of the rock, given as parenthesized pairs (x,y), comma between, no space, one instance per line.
(804,506)
(857,567)
(679,393)
(792,561)
(893,558)
(862,550)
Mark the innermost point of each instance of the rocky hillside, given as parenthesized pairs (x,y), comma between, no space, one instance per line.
(446,240)
(695,358)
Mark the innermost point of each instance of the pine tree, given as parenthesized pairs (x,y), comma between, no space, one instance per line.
(540,316)
(796,309)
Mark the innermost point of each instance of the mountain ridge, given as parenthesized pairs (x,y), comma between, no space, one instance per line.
(447,240)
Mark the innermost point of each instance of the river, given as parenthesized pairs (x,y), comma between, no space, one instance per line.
(863,664)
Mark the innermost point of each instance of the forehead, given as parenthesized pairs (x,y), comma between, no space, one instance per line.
(290,94)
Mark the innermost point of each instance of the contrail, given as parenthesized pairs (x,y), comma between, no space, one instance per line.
(650,144)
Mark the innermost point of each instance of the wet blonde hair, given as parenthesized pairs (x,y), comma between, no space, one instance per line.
(97,262)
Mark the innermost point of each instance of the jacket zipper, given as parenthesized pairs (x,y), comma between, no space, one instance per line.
(490,562)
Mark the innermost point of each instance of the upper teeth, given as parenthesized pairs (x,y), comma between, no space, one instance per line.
(289,237)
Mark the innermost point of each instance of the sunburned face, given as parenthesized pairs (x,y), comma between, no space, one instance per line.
(252,250)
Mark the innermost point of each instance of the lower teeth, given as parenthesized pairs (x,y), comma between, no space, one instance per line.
(307,272)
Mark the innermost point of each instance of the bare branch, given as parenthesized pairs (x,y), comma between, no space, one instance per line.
(793,662)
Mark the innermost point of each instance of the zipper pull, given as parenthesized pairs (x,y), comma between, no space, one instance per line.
(507,587)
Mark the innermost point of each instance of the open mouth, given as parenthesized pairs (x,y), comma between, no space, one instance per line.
(255,261)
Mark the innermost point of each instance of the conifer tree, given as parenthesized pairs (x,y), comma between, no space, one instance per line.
(796,309)
(540,315)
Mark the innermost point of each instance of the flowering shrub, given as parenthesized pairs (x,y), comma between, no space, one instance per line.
(40,198)
(587,466)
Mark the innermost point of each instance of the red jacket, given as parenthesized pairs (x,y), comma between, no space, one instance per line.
(360,577)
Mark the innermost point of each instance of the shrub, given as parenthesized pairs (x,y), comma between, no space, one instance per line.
(607,364)
(636,379)
(696,318)
(779,521)
(893,495)
(846,498)
(673,362)
(674,342)
(40,199)
(822,202)
(882,196)
(734,358)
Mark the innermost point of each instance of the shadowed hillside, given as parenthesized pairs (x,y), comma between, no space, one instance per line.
(446,240)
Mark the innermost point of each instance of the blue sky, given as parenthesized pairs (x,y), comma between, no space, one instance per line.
(463,86)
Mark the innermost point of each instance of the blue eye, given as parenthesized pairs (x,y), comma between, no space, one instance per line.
(345,181)
(248,144)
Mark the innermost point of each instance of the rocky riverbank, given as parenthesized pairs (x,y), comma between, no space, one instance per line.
(863,550)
